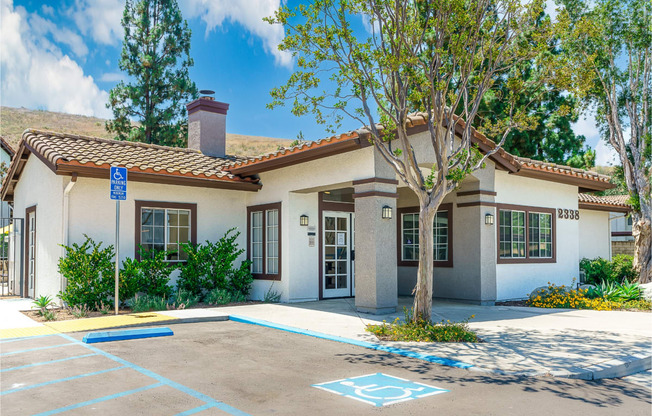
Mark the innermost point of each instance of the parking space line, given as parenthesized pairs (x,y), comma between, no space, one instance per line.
(6,341)
(195,410)
(187,390)
(99,400)
(60,380)
(46,362)
(35,349)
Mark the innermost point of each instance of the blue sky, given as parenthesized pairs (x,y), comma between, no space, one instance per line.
(63,56)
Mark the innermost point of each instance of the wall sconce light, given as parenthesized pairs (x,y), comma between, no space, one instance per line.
(489,219)
(387,212)
(303,220)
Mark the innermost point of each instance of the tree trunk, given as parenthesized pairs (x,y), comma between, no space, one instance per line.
(642,232)
(423,290)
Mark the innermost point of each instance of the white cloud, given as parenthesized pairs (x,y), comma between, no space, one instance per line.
(605,155)
(588,126)
(100,19)
(249,14)
(112,77)
(49,10)
(41,27)
(35,73)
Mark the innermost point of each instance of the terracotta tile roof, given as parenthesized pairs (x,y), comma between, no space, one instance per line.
(59,148)
(560,169)
(609,200)
(91,156)
(7,147)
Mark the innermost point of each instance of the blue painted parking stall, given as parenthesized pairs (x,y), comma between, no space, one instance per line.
(116,365)
(380,389)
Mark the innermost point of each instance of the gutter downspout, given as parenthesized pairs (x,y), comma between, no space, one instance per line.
(66,212)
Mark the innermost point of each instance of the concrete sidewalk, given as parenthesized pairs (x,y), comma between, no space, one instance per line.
(524,341)
(519,341)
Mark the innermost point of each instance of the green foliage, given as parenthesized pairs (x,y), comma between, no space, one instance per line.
(420,330)
(601,270)
(562,297)
(150,275)
(49,315)
(42,303)
(104,308)
(615,292)
(272,296)
(184,299)
(80,311)
(211,266)
(218,297)
(156,57)
(89,271)
(146,303)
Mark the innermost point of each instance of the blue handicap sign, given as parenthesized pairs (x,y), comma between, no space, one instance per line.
(380,389)
(118,183)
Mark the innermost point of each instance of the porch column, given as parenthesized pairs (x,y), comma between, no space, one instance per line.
(376,280)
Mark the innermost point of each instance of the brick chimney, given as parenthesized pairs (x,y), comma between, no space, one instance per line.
(207,126)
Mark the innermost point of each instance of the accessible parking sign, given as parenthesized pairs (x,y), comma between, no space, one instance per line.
(118,183)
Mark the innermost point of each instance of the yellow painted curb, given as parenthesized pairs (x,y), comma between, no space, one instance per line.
(26,332)
(86,324)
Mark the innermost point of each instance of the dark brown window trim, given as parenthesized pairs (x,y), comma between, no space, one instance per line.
(399,236)
(527,210)
(263,208)
(376,193)
(621,233)
(171,205)
(29,210)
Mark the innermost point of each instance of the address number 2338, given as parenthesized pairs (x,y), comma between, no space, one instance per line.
(569,214)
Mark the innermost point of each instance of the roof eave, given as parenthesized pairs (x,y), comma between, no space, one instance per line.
(604,207)
(584,184)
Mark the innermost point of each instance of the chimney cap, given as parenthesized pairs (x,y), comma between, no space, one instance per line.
(207,92)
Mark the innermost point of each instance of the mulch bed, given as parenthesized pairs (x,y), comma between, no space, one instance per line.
(64,314)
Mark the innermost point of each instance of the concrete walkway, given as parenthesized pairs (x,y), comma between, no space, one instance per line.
(524,341)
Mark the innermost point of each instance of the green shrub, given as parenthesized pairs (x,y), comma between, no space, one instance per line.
(146,303)
(601,270)
(615,292)
(185,298)
(424,331)
(150,275)
(80,311)
(89,270)
(238,297)
(49,315)
(211,266)
(42,303)
(272,296)
(622,269)
(218,297)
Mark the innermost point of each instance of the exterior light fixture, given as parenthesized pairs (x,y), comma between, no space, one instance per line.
(303,220)
(489,219)
(387,212)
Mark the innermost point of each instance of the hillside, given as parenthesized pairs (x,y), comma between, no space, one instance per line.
(13,121)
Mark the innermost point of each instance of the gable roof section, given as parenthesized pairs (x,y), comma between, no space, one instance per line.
(67,154)
(611,203)
(353,140)
(7,147)
(585,180)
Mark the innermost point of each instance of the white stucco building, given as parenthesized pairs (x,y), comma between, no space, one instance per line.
(319,220)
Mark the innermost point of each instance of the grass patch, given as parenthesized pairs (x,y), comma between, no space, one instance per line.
(424,331)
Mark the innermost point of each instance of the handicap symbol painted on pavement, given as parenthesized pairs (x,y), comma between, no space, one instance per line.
(380,389)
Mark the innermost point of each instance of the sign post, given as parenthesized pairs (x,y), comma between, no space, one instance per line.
(118,177)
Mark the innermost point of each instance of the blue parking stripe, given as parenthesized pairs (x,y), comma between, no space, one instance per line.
(364,344)
(207,399)
(35,349)
(33,386)
(46,362)
(98,400)
(195,410)
(6,341)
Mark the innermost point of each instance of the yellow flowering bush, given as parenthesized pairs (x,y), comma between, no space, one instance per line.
(561,297)
(424,331)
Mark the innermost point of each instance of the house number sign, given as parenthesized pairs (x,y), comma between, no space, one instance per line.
(568,214)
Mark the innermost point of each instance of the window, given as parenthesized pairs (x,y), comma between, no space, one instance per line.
(409,237)
(540,239)
(164,226)
(264,241)
(525,234)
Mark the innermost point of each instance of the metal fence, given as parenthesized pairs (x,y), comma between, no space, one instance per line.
(11,256)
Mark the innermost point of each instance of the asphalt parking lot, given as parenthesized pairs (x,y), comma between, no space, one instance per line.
(221,368)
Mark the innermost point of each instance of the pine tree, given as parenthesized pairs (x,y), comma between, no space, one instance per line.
(156,57)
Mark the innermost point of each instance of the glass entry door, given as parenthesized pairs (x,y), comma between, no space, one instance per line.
(31,254)
(337,248)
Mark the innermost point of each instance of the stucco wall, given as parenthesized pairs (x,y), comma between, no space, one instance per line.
(595,235)
(515,281)
(39,186)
